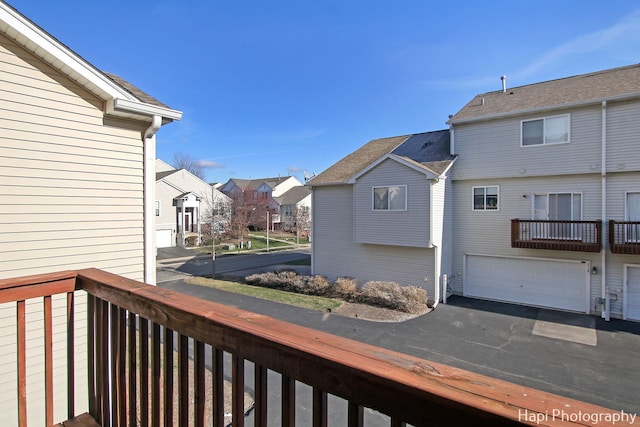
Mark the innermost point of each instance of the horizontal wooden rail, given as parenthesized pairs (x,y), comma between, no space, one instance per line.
(137,327)
(406,388)
(581,236)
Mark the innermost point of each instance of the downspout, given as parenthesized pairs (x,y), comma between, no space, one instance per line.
(452,141)
(603,204)
(436,249)
(149,140)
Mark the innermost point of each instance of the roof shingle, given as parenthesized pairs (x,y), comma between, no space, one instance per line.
(598,86)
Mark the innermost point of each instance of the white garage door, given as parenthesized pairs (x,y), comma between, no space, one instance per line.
(560,284)
(631,309)
(163,239)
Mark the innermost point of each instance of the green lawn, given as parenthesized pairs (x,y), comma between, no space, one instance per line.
(305,301)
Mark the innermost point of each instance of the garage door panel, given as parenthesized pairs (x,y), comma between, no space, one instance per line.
(558,284)
(163,238)
(632,294)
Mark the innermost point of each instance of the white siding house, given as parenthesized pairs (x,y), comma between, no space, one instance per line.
(379,213)
(542,205)
(77,152)
(563,160)
(184,207)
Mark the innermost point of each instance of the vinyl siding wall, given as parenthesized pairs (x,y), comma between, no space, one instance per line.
(490,154)
(336,254)
(398,228)
(492,149)
(71,196)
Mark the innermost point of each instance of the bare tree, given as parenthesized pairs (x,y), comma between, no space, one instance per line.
(185,161)
(302,221)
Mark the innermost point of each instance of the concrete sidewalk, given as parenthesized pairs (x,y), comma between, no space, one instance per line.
(573,355)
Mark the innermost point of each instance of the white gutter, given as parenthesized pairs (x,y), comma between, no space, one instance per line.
(603,204)
(121,105)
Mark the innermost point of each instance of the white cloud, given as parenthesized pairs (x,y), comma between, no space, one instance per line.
(619,40)
(210,164)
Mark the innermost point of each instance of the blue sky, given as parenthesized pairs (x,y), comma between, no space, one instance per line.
(280,87)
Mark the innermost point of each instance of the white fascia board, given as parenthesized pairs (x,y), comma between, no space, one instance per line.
(36,40)
(120,105)
(415,166)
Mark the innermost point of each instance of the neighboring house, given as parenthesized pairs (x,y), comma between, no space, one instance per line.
(382,213)
(262,191)
(542,205)
(77,152)
(295,210)
(543,171)
(186,206)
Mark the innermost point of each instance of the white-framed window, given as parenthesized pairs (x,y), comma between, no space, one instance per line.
(632,214)
(390,198)
(157,207)
(486,198)
(558,207)
(546,130)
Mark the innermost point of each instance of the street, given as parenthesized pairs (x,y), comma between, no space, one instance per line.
(229,264)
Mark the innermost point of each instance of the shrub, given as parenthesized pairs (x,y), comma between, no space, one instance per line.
(409,299)
(345,288)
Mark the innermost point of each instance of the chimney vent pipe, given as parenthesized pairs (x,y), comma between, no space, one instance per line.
(504,83)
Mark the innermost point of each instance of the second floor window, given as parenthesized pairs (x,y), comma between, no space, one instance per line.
(485,198)
(157,207)
(547,130)
(390,198)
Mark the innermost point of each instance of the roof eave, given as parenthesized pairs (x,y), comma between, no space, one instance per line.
(623,97)
(413,165)
(118,100)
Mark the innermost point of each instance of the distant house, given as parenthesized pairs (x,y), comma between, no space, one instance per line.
(262,191)
(186,207)
(383,212)
(295,209)
(77,153)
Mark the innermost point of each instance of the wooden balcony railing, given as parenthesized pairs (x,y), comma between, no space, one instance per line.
(581,236)
(133,328)
(624,237)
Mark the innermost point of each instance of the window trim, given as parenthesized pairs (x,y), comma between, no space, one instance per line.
(473,196)
(373,196)
(544,118)
(572,193)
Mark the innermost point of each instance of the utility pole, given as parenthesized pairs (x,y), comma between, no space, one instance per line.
(267,229)
(213,235)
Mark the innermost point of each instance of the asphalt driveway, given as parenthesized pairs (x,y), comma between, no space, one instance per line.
(574,355)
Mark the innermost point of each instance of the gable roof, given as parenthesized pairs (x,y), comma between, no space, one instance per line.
(121,98)
(254,184)
(293,196)
(615,83)
(427,150)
